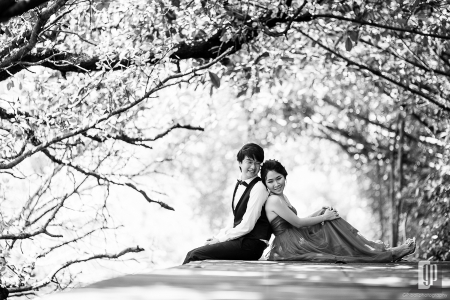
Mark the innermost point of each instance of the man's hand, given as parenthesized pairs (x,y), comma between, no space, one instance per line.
(211,241)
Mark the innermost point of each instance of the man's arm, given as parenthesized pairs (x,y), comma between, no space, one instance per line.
(222,233)
(258,197)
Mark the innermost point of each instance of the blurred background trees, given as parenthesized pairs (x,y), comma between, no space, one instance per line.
(108,105)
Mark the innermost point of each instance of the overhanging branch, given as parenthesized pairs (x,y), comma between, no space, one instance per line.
(137,141)
(52,274)
(162,84)
(379,73)
(12,8)
(388,27)
(100,177)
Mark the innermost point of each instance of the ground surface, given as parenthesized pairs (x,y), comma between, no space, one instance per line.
(267,280)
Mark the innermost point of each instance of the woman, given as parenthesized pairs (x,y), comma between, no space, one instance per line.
(321,237)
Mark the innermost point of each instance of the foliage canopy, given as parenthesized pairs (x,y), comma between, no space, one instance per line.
(83,79)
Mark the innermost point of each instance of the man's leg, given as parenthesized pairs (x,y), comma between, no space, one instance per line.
(230,250)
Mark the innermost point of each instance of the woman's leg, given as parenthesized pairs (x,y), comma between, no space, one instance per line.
(401,251)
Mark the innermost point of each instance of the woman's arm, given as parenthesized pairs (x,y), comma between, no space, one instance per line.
(276,204)
(317,212)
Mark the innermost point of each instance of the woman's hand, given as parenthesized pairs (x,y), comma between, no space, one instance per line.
(330,215)
(327,207)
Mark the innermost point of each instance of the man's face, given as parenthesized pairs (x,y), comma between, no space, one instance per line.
(249,167)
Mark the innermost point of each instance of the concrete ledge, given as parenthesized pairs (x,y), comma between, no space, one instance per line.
(265,280)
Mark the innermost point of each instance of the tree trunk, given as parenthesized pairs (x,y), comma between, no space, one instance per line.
(401,129)
(393,216)
(380,203)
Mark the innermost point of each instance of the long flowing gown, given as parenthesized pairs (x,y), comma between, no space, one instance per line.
(335,241)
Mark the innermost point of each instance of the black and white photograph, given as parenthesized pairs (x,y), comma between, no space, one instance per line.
(224,149)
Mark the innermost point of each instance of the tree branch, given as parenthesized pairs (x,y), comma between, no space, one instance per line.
(372,24)
(138,141)
(94,123)
(12,8)
(420,66)
(380,125)
(205,49)
(40,22)
(100,177)
(169,130)
(80,63)
(52,274)
(380,74)
(43,229)
(70,241)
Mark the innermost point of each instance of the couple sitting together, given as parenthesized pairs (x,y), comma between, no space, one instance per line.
(261,208)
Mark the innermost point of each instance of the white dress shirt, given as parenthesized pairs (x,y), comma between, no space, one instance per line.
(258,196)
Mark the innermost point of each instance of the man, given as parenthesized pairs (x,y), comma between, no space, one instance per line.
(250,232)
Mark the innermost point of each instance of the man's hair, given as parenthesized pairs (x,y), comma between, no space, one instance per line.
(251,150)
(272,165)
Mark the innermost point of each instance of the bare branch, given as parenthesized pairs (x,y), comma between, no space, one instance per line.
(43,214)
(29,206)
(137,141)
(172,128)
(12,174)
(42,229)
(52,274)
(23,294)
(100,177)
(71,241)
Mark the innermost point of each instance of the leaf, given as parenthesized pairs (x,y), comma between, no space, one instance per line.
(353,35)
(200,34)
(256,90)
(242,93)
(227,62)
(262,56)
(288,59)
(377,37)
(415,4)
(226,36)
(356,8)
(402,22)
(348,44)
(8,33)
(214,79)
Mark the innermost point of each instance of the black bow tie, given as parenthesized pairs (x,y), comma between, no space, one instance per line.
(242,182)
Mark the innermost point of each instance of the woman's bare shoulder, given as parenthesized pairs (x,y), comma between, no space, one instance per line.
(273,199)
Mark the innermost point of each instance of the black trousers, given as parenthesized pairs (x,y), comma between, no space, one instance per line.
(239,249)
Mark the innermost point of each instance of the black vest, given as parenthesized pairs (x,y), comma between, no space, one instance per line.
(262,229)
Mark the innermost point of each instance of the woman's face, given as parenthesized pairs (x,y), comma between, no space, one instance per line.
(275,182)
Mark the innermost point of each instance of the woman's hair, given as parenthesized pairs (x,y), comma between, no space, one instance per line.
(272,165)
(251,150)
